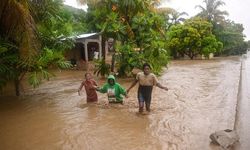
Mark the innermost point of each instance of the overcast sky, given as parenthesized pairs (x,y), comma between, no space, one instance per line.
(237,9)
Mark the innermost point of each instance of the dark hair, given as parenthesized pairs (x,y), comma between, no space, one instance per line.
(87,74)
(146,65)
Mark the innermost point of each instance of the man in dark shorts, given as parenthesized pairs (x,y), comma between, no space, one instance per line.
(146,81)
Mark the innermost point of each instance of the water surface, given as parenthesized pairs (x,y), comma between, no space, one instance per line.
(201,99)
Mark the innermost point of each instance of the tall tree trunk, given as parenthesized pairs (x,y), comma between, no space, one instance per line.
(113,58)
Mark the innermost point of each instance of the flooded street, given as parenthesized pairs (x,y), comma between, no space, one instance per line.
(202,98)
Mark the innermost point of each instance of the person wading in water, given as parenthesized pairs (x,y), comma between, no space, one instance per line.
(90,88)
(146,81)
(114,90)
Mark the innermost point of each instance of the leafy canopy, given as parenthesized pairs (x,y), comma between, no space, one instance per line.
(30,36)
(137,26)
(193,38)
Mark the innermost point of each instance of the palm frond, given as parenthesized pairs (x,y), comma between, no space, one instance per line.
(17,24)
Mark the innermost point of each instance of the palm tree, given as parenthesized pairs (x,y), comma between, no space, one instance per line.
(172,16)
(20,49)
(17,26)
(211,11)
(176,18)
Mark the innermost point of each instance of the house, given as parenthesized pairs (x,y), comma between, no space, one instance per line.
(88,47)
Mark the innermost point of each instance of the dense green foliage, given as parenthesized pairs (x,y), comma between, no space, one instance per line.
(33,35)
(248,44)
(135,25)
(31,39)
(232,37)
(8,61)
(193,38)
(102,68)
(226,31)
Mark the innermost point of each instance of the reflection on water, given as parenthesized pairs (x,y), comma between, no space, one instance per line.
(201,99)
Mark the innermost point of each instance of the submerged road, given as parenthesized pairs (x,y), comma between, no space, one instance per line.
(202,98)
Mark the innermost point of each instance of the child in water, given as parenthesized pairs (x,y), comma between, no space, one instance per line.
(146,81)
(90,88)
(114,90)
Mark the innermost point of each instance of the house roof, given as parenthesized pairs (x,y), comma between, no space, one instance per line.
(85,35)
(82,36)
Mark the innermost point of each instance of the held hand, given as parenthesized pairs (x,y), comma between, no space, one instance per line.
(127,91)
(95,87)
(165,88)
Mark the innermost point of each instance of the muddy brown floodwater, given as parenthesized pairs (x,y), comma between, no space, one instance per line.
(242,123)
(201,99)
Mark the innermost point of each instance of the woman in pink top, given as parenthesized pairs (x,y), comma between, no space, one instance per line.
(90,88)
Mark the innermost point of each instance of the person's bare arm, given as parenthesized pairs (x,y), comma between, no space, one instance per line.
(132,85)
(161,86)
(80,88)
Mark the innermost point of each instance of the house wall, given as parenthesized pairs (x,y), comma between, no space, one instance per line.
(76,53)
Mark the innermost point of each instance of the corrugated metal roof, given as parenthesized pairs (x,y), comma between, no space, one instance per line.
(84,35)
(81,36)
